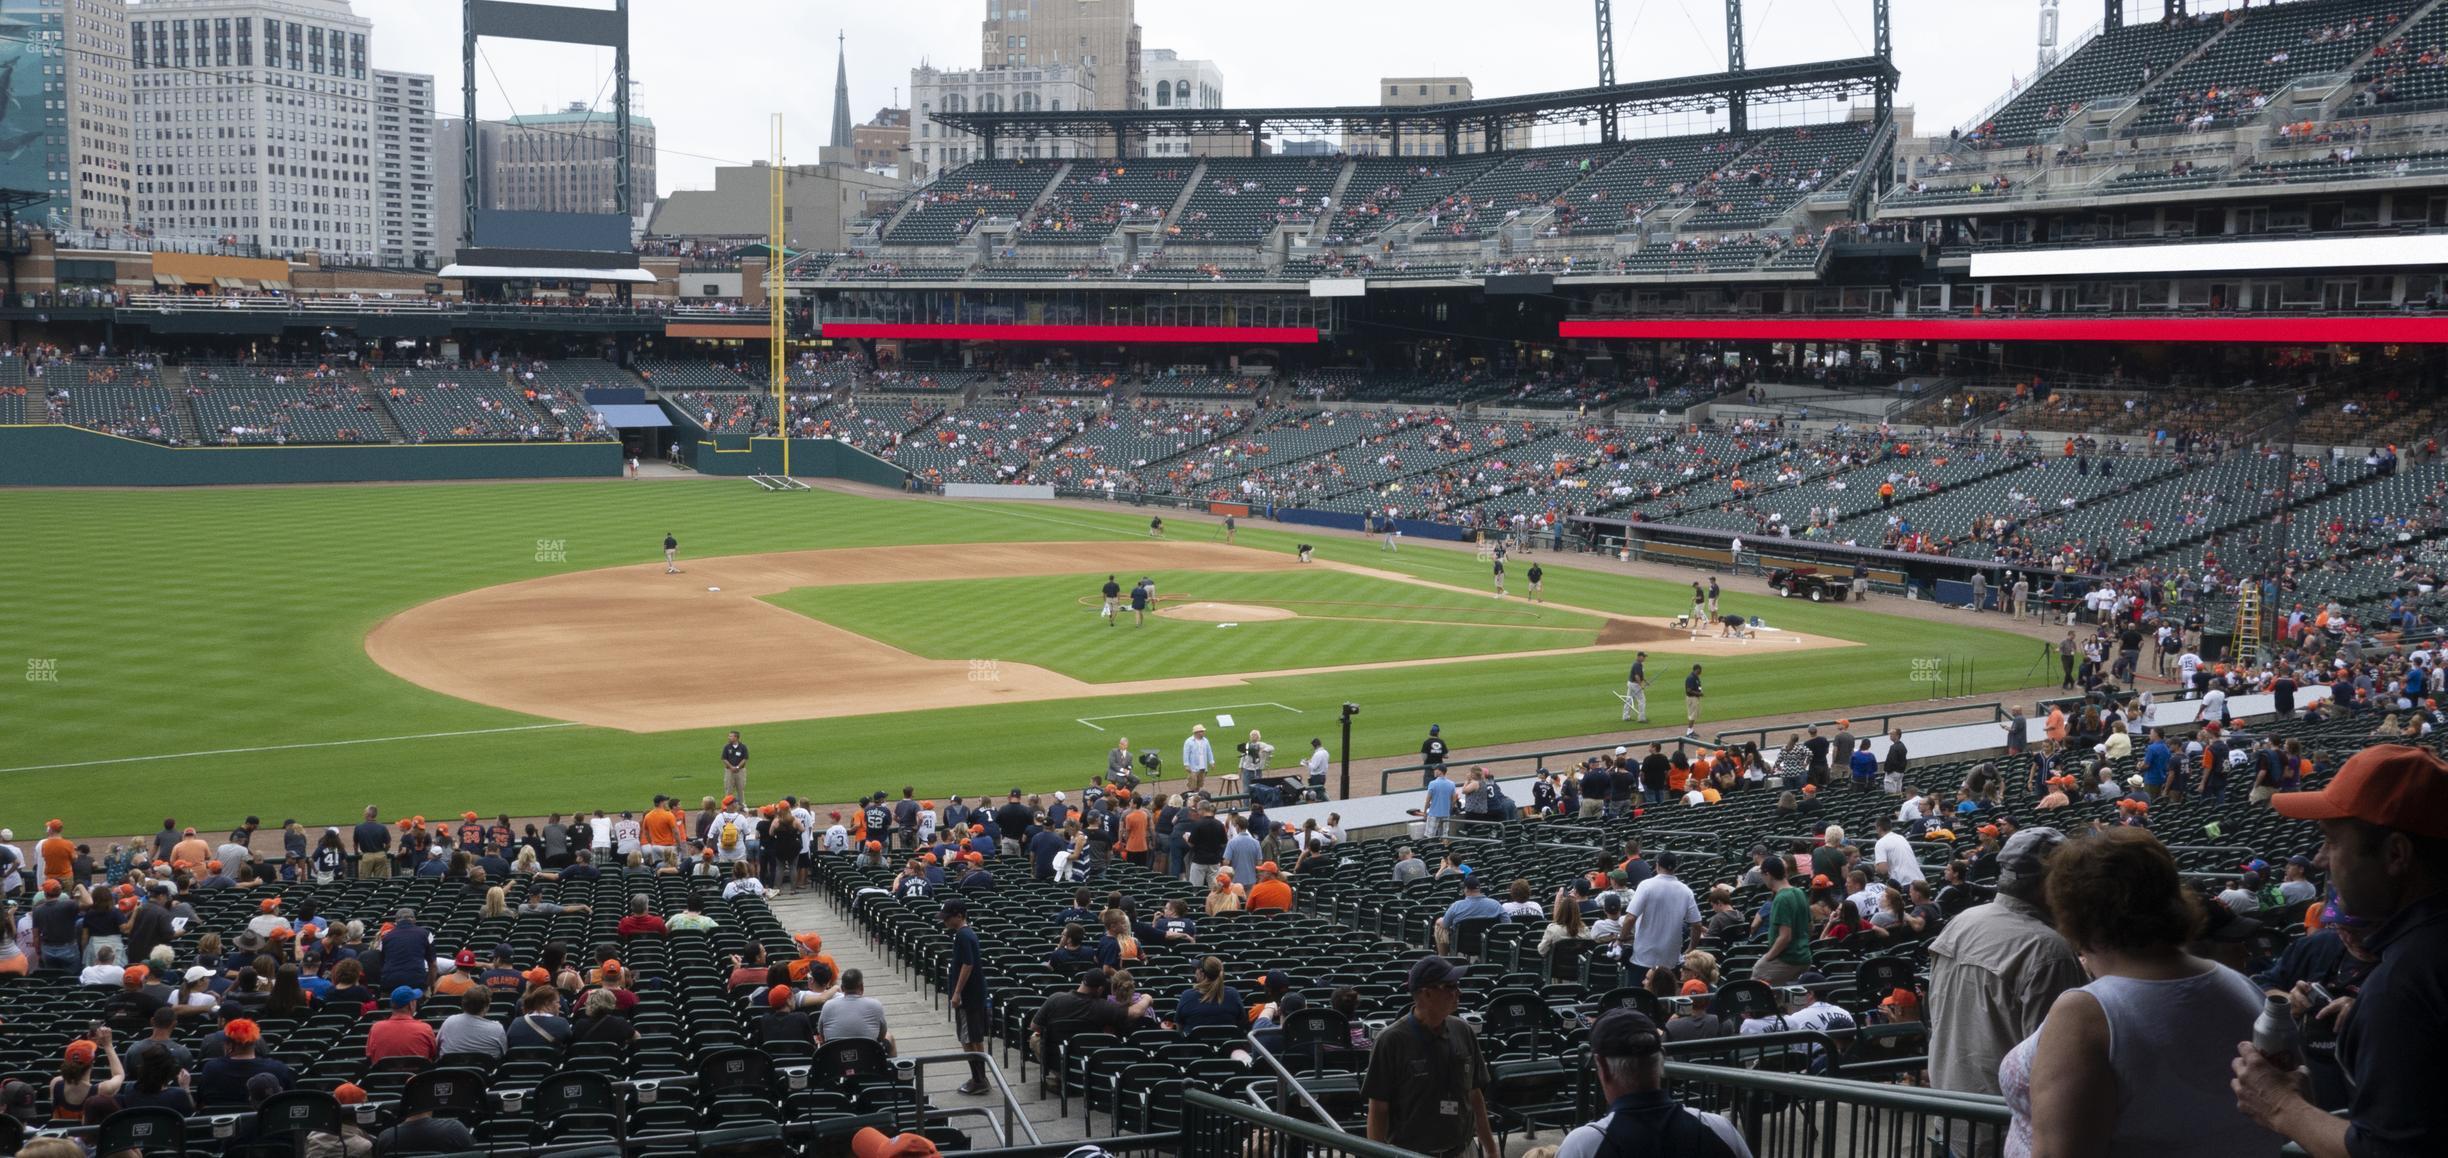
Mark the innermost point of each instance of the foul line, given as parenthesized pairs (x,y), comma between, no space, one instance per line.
(290,747)
(1193,711)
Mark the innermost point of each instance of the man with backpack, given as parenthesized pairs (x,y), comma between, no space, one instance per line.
(1642,1119)
(729,835)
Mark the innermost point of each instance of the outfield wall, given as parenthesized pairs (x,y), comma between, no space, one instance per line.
(69,456)
(1347,521)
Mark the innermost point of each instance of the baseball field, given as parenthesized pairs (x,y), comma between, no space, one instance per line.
(306,651)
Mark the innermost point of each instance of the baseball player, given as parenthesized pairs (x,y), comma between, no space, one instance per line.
(1636,688)
(1712,595)
(1535,575)
(1304,552)
(1500,556)
(671,554)
(1391,533)
(1112,592)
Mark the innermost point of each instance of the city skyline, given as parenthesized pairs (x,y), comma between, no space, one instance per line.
(1956,58)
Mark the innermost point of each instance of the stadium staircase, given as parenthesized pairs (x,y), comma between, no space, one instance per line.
(1061,174)
(383,419)
(1173,213)
(1334,203)
(914,1013)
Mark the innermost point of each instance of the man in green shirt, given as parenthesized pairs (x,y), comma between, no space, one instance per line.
(1789,931)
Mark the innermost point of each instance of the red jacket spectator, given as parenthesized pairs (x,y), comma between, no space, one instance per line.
(636,923)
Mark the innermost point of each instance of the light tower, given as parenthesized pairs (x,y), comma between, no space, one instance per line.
(2048,34)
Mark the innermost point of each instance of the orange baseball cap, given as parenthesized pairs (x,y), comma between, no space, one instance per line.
(2389,785)
(536,976)
(349,1094)
(270,904)
(242,1032)
(728,801)
(1695,985)
(1821,882)
(82,1052)
(1902,999)
(778,996)
(870,1142)
(811,941)
(875,846)
(1269,867)
(1988,830)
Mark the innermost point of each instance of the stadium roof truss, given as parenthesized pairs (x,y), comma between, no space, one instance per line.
(1824,80)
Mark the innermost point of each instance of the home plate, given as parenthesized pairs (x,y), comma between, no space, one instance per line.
(713,588)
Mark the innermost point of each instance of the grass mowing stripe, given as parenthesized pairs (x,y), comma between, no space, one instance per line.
(288,747)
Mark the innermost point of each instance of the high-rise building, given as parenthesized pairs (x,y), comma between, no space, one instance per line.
(255,122)
(565,162)
(936,149)
(1100,36)
(1174,83)
(406,185)
(76,53)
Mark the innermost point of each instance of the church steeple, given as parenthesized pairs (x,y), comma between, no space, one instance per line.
(841,94)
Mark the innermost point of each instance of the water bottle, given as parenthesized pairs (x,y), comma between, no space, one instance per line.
(2276,1035)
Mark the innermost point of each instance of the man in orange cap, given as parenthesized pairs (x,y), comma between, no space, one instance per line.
(2384,842)
(58,854)
(1270,892)
(811,952)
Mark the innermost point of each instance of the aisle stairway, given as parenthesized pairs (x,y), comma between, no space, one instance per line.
(918,1024)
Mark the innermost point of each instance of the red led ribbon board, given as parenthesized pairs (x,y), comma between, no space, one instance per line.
(2279,331)
(1266,335)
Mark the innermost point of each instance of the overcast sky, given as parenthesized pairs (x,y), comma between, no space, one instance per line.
(710,72)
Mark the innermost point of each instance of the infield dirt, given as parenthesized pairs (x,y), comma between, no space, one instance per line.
(639,650)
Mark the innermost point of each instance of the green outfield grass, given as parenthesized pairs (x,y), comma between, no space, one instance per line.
(225,628)
(1054,622)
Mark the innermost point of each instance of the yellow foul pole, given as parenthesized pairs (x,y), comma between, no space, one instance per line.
(776,323)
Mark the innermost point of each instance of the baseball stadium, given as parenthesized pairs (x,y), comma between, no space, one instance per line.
(1696,614)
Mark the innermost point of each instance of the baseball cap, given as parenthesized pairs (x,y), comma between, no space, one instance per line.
(1431,971)
(465,958)
(1811,979)
(2389,785)
(953,908)
(870,1142)
(1626,1032)
(502,951)
(778,996)
(81,1051)
(1276,979)
(349,1094)
(1095,980)
(1269,867)
(1694,987)
(197,973)
(406,994)
(1902,999)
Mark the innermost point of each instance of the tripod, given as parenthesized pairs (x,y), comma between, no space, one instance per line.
(2047,652)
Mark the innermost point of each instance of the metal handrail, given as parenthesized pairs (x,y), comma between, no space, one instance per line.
(1385,776)
(1286,1080)
(1012,1114)
(1197,1104)
(1978,1109)
(1997,712)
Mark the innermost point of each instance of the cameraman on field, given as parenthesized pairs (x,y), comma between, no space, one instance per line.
(1256,754)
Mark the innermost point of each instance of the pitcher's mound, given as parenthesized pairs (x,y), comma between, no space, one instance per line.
(1223,612)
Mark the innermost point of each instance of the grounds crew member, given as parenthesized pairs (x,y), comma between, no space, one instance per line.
(1636,688)
(735,767)
(1432,754)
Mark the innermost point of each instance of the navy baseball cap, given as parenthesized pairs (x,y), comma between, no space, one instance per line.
(954,907)
(1626,1032)
(1431,971)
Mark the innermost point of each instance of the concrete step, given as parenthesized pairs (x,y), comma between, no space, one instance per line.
(920,1024)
